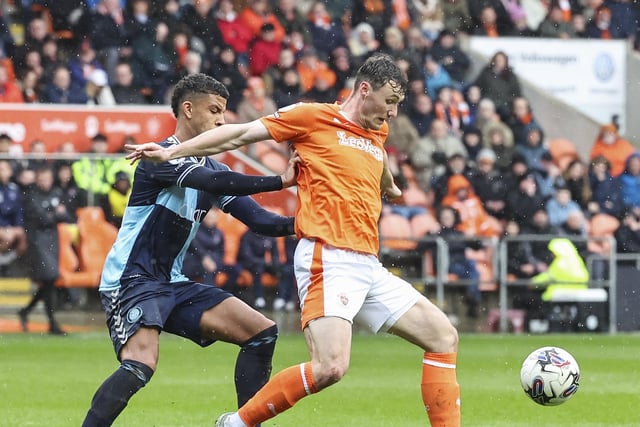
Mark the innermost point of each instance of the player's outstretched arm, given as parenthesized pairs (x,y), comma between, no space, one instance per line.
(214,141)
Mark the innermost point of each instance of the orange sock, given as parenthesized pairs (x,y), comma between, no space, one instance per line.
(279,394)
(440,389)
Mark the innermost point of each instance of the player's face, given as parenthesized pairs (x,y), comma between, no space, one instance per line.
(208,112)
(379,105)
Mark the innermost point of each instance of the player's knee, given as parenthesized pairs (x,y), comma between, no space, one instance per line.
(446,340)
(141,370)
(330,373)
(263,342)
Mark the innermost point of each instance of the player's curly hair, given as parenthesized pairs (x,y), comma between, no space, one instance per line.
(195,85)
(380,69)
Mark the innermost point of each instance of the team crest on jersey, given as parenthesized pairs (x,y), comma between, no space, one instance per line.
(362,144)
(344,299)
(134,314)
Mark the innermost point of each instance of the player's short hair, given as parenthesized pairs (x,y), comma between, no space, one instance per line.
(380,69)
(195,85)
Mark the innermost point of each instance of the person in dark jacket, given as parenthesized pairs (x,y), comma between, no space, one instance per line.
(252,255)
(43,212)
(205,256)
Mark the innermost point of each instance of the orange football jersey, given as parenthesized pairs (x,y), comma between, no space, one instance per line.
(339,199)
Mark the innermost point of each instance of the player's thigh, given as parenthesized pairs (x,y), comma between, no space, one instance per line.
(425,325)
(232,321)
(329,340)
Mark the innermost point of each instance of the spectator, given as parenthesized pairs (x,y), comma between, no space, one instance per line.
(226,68)
(33,40)
(428,16)
(533,147)
(456,164)
(472,96)
(521,261)
(125,90)
(31,87)
(576,179)
(628,234)
(199,17)
(630,183)
(138,21)
(451,107)
(523,200)
(106,32)
(612,147)
(274,74)
(83,65)
(561,206)
(555,25)
(456,16)
(490,184)
(417,44)
(310,66)
(264,50)
(257,13)
(72,196)
(255,102)
(435,76)
(326,35)
(43,212)
(169,13)
(566,272)
(463,267)
(602,27)
(519,116)
(378,13)
(497,142)
(292,20)
(117,198)
(98,90)
(488,25)
(499,83)
(204,259)
(474,220)
(288,90)
(62,90)
(429,157)
(322,91)
(9,89)
(402,138)
(362,42)
(13,241)
(448,53)
(472,141)
(421,113)
(488,119)
(605,188)
(258,254)
(234,33)
(155,62)
(340,64)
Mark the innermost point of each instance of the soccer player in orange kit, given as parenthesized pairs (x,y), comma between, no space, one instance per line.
(340,279)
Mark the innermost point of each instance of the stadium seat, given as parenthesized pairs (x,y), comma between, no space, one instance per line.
(563,152)
(601,225)
(423,224)
(97,236)
(274,161)
(414,196)
(395,232)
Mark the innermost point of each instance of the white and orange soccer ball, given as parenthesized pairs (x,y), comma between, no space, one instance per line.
(550,376)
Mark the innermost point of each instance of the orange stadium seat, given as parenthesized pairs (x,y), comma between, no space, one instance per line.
(563,152)
(395,232)
(601,225)
(96,239)
(423,224)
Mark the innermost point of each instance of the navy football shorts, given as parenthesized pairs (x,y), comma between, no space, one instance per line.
(172,307)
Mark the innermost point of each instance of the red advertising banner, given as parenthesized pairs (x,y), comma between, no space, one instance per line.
(57,124)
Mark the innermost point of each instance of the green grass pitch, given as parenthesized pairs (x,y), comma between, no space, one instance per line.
(49,381)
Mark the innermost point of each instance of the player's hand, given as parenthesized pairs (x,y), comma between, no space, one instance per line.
(289,176)
(147,151)
(391,191)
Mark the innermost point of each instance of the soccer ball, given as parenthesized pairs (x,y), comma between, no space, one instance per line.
(549,376)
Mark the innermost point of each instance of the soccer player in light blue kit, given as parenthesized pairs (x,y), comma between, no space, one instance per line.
(143,290)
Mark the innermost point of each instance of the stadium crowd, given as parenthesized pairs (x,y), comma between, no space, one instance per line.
(470,143)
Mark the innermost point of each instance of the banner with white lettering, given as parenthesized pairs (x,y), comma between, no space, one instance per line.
(57,124)
(589,75)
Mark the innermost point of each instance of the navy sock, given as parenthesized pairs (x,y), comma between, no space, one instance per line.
(114,393)
(253,366)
